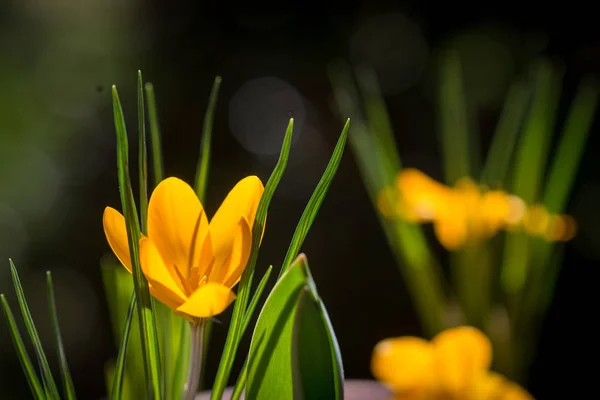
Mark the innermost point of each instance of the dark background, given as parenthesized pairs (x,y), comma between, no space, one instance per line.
(58,60)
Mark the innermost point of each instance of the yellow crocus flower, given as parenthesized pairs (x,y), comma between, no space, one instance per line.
(453,366)
(191,265)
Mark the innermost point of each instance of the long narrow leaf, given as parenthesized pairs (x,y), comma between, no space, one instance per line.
(255,298)
(204,160)
(312,208)
(47,379)
(68,388)
(155,142)
(570,149)
(142,155)
(407,241)
(241,381)
(144,304)
(240,307)
(503,143)
(29,370)
(458,160)
(529,168)
(119,374)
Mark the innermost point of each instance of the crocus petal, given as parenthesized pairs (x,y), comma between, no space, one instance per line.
(165,288)
(493,386)
(242,201)
(177,224)
(116,235)
(461,355)
(404,364)
(208,300)
(227,271)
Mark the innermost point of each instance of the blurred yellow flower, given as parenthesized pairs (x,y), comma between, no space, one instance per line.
(191,265)
(467,213)
(453,366)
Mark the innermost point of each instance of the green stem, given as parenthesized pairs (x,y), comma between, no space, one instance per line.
(196,348)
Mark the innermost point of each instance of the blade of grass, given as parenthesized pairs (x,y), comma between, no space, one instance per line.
(68,388)
(531,157)
(407,241)
(155,142)
(181,357)
(142,155)
(312,208)
(204,160)
(144,304)
(28,369)
(47,379)
(239,384)
(454,127)
(240,306)
(255,298)
(546,255)
(503,143)
(119,374)
(118,285)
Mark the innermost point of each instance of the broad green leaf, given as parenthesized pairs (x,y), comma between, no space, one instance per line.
(240,306)
(155,143)
(204,160)
(312,208)
(48,381)
(144,304)
(28,369)
(68,388)
(316,359)
(294,353)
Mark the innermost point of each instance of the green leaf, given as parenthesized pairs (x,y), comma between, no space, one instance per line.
(370,142)
(454,129)
(155,142)
(180,350)
(204,160)
(570,149)
(501,151)
(68,388)
(312,208)
(255,298)
(28,369)
(142,295)
(240,306)
(142,156)
(118,286)
(316,360)
(47,379)
(119,372)
(294,353)
(528,173)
